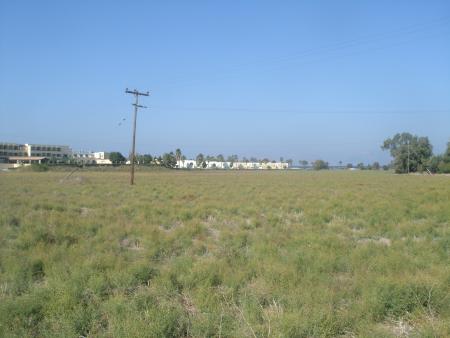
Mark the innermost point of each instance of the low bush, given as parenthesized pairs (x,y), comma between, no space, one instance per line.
(39,167)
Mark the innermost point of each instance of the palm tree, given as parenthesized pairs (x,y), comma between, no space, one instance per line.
(178,157)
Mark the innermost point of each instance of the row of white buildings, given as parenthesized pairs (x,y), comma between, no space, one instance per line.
(192,164)
(15,155)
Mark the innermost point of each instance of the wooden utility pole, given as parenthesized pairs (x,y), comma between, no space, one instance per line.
(133,147)
(408,157)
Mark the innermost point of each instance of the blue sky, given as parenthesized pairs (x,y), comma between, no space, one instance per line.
(298,79)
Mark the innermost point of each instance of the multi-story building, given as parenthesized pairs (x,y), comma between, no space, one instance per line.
(48,151)
(30,153)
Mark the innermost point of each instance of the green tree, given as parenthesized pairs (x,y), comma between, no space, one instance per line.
(199,160)
(433,163)
(376,166)
(220,158)
(444,166)
(320,164)
(303,163)
(169,160)
(233,158)
(410,152)
(447,153)
(440,163)
(145,159)
(116,158)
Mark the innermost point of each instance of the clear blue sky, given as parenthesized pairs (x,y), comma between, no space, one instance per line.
(298,79)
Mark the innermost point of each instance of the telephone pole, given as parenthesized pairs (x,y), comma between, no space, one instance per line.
(408,157)
(133,147)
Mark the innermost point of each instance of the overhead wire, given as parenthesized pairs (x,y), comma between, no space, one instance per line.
(322,50)
(326,52)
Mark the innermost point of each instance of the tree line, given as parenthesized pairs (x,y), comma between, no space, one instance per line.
(410,153)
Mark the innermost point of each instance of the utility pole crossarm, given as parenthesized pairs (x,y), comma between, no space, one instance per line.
(136,92)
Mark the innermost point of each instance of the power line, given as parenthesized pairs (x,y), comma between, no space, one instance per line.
(136,106)
(303,111)
(337,46)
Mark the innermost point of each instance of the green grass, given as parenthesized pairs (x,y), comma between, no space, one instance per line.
(225,254)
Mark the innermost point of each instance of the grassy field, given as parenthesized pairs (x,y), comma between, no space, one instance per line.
(225,254)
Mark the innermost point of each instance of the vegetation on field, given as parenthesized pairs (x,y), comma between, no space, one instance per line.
(39,167)
(224,254)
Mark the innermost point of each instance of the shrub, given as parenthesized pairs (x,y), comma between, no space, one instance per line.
(396,300)
(39,167)
(320,164)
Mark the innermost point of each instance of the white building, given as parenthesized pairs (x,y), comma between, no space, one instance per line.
(32,153)
(89,154)
(187,164)
(91,157)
